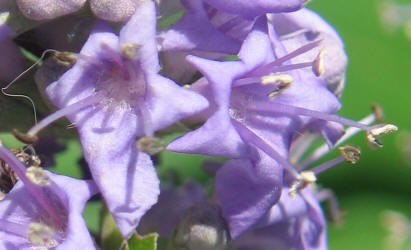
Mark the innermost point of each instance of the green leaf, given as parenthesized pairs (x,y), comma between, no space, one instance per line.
(147,242)
(111,237)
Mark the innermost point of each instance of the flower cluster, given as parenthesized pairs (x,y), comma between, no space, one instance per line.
(255,82)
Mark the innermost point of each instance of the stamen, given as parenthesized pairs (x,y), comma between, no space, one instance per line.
(350,153)
(38,176)
(65,59)
(283,68)
(268,67)
(130,50)
(24,138)
(261,106)
(305,178)
(151,145)
(328,194)
(379,131)
(86,102)
(260,143)
(379,113)
(283,79)
(318,65)
(41,235)
(324,149)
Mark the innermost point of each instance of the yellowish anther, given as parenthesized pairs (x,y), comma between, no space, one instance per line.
(65,58)
(386,129)
(282,79)
(350,153)
(318,65)
(379,131)
(379,114)
(308,177)
(305,178)
(151,145)
(41,235)
(38,176)
(130,50)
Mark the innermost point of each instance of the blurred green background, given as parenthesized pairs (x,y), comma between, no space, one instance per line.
(379,72)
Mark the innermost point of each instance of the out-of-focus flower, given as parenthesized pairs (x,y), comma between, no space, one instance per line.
(292,223)
(111,10)
(114,95)
(43,210)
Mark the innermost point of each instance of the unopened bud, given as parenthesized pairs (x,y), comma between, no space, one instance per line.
(151,145)
(38,176)
(41,235)
(202,228)
(350,153)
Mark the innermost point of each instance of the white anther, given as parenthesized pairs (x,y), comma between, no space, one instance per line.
(305,178)
(308,177)
(318,65)
(41,235)
(283,79)
(38,176)
(386,129)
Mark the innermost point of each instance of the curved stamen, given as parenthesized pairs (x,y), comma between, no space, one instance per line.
(282,68)
(277,108)
(70,109)
(324,149)
(269,67)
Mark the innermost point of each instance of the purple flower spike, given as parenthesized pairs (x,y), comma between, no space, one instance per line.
(25,225)
(114,95)
(251,100)
(293,223)
(255,8)
(48,9)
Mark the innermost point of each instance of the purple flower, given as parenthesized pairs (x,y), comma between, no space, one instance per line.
(43,209)
(253,101)
(114,95)
(247,190)
(292,223)
(26,225)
